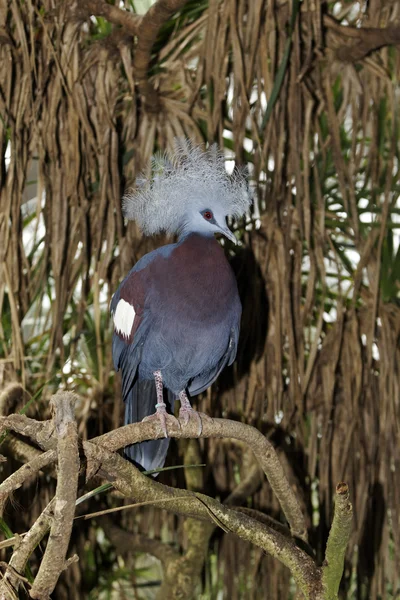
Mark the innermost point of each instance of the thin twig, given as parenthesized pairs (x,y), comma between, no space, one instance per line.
(16,479)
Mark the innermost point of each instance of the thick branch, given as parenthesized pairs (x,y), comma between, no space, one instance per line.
(129,21)
(367,39)
(19,450)
(338,539)
(219,428)
(127,542)
(130,482)
(53,562)
(38,431)
(10,397)
(222,428)
(247,486)
(151,23)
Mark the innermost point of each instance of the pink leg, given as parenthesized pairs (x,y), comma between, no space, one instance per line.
(186,412)
(161,409)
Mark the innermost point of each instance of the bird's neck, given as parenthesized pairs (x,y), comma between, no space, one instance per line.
(185,233)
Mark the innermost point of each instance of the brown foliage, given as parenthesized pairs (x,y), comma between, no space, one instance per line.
(71,112)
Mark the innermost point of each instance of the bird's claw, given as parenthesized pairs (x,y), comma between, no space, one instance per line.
(162,417)
(187,412)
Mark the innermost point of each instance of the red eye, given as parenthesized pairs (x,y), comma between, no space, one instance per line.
(208,215)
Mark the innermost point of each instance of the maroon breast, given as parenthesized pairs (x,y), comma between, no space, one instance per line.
(196,278)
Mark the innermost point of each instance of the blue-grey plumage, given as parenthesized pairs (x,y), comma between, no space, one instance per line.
(187,302)
(177,313)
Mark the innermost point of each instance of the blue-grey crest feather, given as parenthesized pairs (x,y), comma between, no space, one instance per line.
(182,180)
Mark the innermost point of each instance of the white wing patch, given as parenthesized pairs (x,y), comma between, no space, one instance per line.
(124,317)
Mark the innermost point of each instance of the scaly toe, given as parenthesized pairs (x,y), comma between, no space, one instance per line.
(184,415)
(173,420)
(187,413)
(159,417)
(163,418)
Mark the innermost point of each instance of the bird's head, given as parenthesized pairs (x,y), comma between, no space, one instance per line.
(188,191)
(206,221)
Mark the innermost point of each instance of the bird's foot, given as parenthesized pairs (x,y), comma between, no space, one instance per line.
(162,417)
(186,413)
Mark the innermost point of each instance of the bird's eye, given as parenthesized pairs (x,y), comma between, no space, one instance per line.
(207,214)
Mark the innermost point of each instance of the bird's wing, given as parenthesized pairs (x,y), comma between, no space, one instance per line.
(129,333)
(131,318)
(202,381)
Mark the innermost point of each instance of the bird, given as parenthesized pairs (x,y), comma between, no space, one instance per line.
(176,315)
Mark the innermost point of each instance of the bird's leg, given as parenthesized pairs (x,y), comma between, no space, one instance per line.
(186,411)
(161,408)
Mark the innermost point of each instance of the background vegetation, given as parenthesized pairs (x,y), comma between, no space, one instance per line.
(304,93)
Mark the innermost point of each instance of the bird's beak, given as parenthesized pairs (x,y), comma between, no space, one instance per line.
(228,234)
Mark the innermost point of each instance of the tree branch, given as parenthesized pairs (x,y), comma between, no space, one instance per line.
(146,27)
(125,541)
(182,575)
(247,486)
(40,432)
(23,551)
(16,479)
(218,428)
(53,562)
(129,21)
(367,39)
(130,482)
(221,428)
(338,539)
(180,571)
(10,397)
(151,23)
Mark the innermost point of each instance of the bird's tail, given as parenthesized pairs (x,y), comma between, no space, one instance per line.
(140,403)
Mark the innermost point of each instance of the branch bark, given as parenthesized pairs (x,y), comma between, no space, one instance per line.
(366,39)
(338,539)
(40,432)
(130,482)
(204,513)
(151,23)
(22,552)
(221,428)
(218,428)
(54,559)
(16,479)
(129,21)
